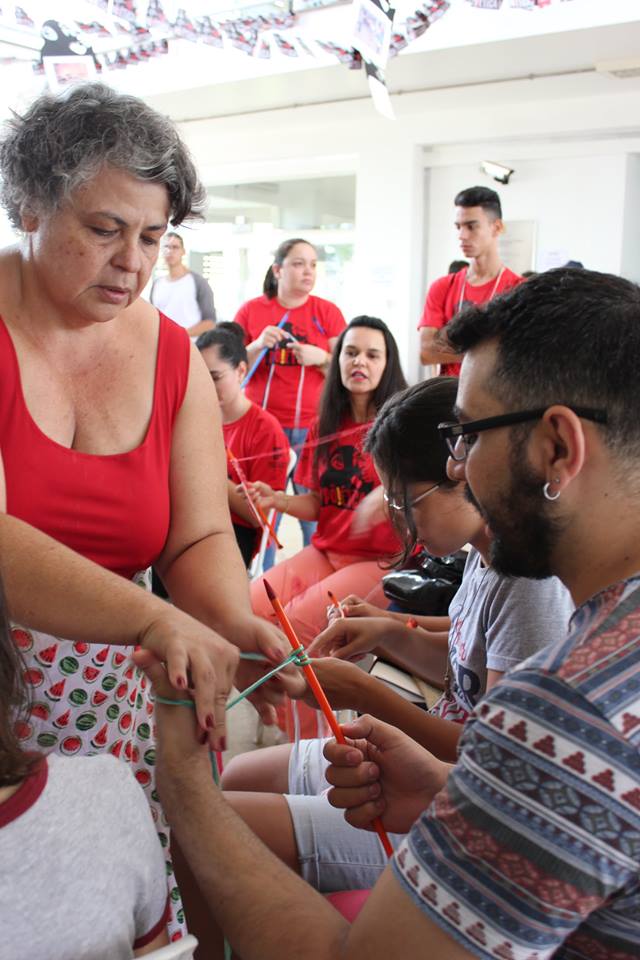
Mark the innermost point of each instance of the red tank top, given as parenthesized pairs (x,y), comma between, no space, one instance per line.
(112,509)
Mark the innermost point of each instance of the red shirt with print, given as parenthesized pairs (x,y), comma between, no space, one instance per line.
(344,477)
(317,322)
(258,441)
(449,294)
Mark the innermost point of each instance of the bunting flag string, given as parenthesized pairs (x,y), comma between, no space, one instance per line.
(124,33)
(307,445)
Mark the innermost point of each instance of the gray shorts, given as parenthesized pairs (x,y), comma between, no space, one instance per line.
(333,855)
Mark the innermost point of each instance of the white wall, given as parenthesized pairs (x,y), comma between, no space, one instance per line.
(577,203)
(630,267)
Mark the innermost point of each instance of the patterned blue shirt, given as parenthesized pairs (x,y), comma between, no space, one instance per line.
(532,850)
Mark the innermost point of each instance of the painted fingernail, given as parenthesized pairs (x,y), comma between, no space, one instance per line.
(209,721)
(374,790)
(203,737)
(181,682)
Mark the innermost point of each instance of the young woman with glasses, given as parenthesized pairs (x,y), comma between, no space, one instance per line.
(495,622)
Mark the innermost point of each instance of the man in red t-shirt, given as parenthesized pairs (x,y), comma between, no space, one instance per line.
(478,220)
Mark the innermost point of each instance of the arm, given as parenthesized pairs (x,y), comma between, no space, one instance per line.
(268,338)
(204,297)
(309,355)
(201,565)
(160,941)
(303,506)
(238,504)
(332,345)
(249,890)
(435,348)
(424,654)
(201,327)
(354,606)
(81,601)
(349,688)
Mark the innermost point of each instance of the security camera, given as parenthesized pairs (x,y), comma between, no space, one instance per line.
(497,171)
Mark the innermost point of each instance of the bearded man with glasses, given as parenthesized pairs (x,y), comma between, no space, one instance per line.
(529,846)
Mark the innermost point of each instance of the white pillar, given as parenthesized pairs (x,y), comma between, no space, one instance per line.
(389,262)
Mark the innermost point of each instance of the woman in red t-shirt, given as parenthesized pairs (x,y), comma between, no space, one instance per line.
(299,332)
(253,435)
(364,372)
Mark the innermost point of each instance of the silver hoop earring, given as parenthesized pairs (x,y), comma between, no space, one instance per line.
(546,491)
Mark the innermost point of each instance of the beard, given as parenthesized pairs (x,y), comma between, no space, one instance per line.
(524,535)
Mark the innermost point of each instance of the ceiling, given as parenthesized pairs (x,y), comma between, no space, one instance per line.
(571,57)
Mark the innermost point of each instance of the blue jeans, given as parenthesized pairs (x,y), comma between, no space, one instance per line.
(296,437)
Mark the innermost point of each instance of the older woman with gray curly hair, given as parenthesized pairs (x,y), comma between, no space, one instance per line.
(109,428)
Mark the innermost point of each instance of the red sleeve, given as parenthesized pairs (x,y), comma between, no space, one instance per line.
(306,474)
(335,322)
(434,313)
(511,280)
(156,930)
(270,448)
(242,318)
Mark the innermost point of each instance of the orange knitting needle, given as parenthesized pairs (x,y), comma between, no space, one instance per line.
(257,510)
(319,694)
(336,604)
(412,623)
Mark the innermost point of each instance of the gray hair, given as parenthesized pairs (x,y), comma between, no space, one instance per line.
(63,141)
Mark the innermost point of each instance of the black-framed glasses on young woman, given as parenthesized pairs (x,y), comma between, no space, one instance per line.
(460,437)
(400,507)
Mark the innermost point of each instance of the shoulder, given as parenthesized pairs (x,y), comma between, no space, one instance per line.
(258,303)
(323,306)
(435,308)
(511,279)
(199,280)
(527,614)
(266,420)
(80,774)
(174,341)
(253,310)
(441,286)
(313,428)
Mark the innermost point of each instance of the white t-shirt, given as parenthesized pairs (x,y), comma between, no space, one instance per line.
(82,873)
(496,623)
(178,299)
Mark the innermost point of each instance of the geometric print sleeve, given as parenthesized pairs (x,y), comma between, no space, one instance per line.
(532,849)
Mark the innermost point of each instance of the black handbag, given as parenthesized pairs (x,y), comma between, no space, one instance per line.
(428,586)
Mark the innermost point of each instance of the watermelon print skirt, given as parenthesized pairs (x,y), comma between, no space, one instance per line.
(88,699)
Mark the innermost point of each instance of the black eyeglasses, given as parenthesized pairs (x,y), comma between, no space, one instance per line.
(460,437)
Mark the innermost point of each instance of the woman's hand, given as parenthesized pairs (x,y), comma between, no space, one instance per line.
(382,772)
(269,337)
(350,639)
(181,739)
(271,693)
(261,493)
(309,355)
(198,660)
(354,606)
(255,635)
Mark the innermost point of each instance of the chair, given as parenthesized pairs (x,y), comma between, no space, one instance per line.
(178,950)
(256,566)
(348,902)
